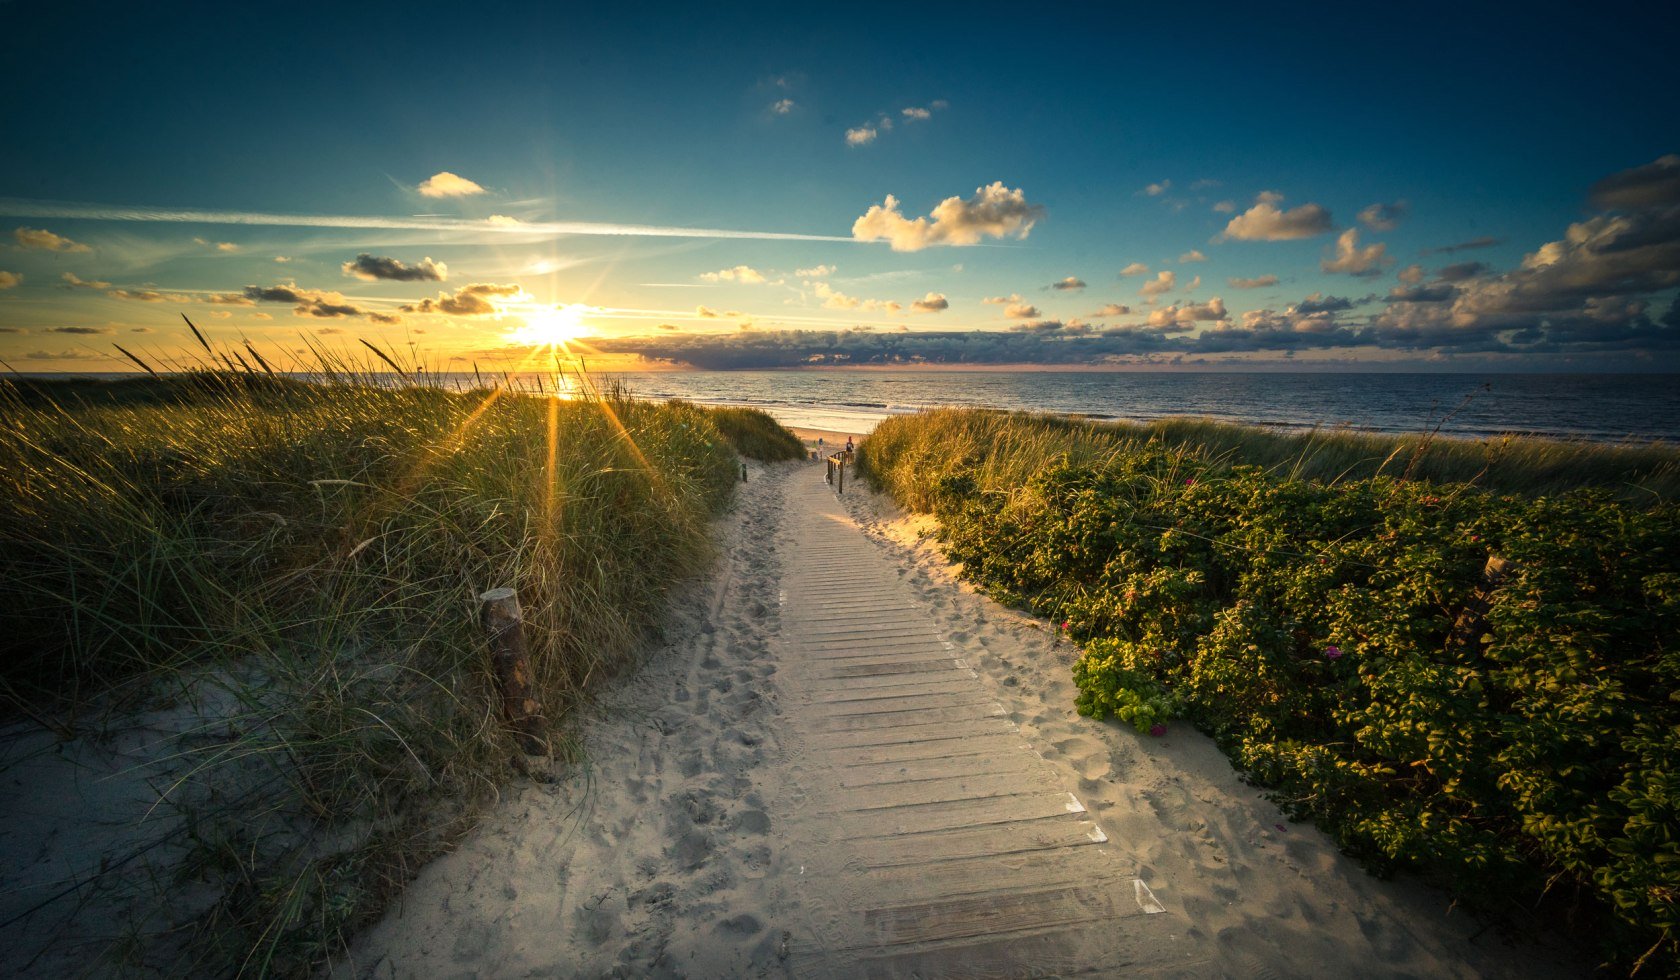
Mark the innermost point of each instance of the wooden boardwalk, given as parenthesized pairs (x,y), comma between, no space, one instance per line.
(941,844)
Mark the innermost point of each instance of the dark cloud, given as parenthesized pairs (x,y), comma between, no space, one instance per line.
(1656,184)
(63,355)
(1258,282)
(305,302)
(473,300)
(1071,282)
(1433,293)
(81,330)
(1460,271)
(373,267)
(1486,241)
(1319,303)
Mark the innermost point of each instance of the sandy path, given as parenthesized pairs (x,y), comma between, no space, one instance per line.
(753,807)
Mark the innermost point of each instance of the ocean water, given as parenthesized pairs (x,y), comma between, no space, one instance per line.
(1598,407)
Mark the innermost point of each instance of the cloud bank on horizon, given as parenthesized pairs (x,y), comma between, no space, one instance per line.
(821,215)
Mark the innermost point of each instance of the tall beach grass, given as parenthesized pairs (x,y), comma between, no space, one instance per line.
(296,566)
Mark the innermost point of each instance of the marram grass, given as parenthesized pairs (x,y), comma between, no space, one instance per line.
(305,558)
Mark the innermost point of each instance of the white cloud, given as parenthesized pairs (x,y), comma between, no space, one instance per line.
(782,107)
(1164,282)
(1194,255)
(503,221)
(1156,190)
(1113,309)
(282,259)
(1225,207)
(1003,300)
(1383,217)
(445,184)
(994,211)
(815,272)
(1352,259)
(1021,311)
(42,240)
(9,279)
(1071,282)
(218,246)
(1188,314)
(835,300)
(1267,223)
(861,136)
(1412,274)
(1258,282)
(916,114)
(740,273)
(1135,269)
(931,303)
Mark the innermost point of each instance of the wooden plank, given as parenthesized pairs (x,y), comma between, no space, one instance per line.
(995,914)
(913,700)
(910,734)
(940,791)
(872,720)
(920,818)
(889,667)
(952,685)
(984,873)
(927,748)
(1132,947)
(1069,830)
(944,767)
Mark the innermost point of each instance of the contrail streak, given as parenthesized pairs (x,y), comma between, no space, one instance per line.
(101,212)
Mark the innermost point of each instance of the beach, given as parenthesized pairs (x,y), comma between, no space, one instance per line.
(689,842)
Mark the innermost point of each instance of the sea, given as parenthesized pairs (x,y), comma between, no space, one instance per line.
(1594,407)
(1637,408)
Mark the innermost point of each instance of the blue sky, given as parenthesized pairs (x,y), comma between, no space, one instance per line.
(1220,147)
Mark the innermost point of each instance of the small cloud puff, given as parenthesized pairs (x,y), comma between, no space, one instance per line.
(446,184)
(815,272)
(994,211)
(1258,282)
(861,135)
(740,273)
(1194,255)
(931,303)
(1135,269)
(1383,217)
(1112,309)
(9,279)
(1353,260)
(1164,282)
(1071,282)
(782,107)
(1266,222)
(42,240)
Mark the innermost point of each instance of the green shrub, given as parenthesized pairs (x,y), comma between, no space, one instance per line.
(1305,624)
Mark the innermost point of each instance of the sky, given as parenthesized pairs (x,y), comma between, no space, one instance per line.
(1357,187)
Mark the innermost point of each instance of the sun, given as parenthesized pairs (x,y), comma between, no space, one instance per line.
(553,326)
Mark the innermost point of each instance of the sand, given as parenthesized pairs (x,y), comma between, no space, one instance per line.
(734,817)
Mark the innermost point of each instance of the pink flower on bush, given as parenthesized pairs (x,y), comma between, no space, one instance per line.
(1065,624)
(1332,652)
(1157,729)
(1189,481)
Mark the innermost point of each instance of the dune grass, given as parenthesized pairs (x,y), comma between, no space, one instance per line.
(1001,449)
(301,563)
(756,435)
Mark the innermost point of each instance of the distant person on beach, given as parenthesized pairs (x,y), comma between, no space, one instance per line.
(848,444)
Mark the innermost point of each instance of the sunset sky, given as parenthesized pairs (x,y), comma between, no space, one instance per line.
(1440,187)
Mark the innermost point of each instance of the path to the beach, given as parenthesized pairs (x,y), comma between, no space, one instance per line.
(845,764)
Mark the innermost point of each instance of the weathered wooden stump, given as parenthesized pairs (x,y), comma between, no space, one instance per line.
(521,711)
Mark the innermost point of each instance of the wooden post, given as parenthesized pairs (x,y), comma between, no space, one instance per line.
(1466,634)
(743,472)
(520,709)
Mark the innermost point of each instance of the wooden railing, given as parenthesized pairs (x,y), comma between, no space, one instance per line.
(837,471)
